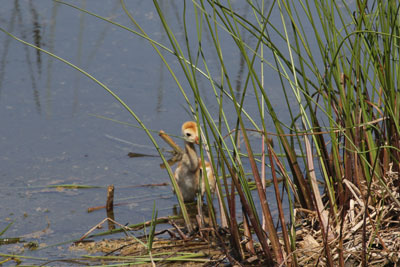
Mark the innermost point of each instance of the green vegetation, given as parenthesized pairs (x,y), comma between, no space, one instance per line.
(349,84)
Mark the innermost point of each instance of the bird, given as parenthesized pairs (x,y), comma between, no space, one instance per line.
(210,177)
(190,168)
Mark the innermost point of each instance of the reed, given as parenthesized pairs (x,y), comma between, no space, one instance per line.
(349,84)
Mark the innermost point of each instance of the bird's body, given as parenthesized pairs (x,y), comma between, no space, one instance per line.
(210,177)
(187,172)
(189,169)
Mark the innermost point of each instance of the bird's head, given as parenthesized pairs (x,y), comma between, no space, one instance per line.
(189,131)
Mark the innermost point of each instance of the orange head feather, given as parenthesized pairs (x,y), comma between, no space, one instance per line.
(189,131)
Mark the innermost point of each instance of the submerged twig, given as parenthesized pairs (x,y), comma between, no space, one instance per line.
(91,209)
(110,198)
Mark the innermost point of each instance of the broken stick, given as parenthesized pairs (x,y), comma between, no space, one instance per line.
(177,149)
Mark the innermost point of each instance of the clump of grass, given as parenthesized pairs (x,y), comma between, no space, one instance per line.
(354,94)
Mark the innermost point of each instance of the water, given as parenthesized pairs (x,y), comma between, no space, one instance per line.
(51,132)
(48,133)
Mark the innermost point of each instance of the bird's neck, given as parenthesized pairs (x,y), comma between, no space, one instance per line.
(192,155)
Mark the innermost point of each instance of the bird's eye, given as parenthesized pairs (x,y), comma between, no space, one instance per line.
(188,134)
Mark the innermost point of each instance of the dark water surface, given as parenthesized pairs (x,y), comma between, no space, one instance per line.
(48,134)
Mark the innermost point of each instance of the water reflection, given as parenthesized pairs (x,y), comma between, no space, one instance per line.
(37,34)
(78,76)
(161,80)
(50,60)
(37,39)
(6,46)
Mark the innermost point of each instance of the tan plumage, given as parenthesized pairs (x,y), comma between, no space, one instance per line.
(189,169)
(210,177)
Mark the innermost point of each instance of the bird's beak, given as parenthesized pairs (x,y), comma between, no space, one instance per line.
(196,140)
